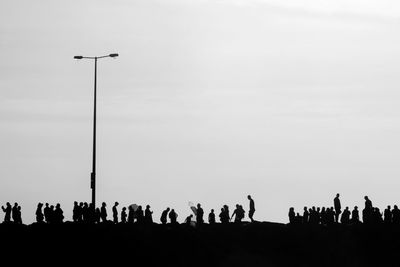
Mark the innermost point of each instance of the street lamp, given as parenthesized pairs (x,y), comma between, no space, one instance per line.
(93,174)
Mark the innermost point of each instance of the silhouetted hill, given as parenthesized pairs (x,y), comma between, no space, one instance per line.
(257,244)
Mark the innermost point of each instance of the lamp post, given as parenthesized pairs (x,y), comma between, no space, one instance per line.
(93,174)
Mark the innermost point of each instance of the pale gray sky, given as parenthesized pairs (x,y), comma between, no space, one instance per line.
(290,101)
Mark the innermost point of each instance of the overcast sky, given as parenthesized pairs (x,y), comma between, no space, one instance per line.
(289,101)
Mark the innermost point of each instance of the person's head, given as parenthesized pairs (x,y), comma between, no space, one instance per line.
(116,203)
(198,205)
(366,198)
(395,207)
(355,207)
(103,204)
(388,207)
(212,210)
(75,203)
(148,207)
(248,197)
(168,209)
(337,195)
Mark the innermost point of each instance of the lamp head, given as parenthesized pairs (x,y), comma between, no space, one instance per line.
(78,57)
(113,55)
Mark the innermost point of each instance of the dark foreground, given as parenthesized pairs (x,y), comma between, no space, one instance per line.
(257,244)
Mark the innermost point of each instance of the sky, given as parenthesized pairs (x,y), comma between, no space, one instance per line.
(209,101)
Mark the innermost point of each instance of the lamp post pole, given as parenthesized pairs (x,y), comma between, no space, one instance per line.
(93,173)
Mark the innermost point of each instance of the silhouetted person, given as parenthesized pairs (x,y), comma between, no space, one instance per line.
(39,213)
(123,215)
(115,212)
(345,219)
(305,215)
(148,217)
(139,214)
(14,212)
(50,214)
(324,217)
(355,217)
(292,216)
(58,214)
(131,214)
(395,215)
(377,216)
(173,216)
(313,219)
(199,215)
(224,215)
(387,215)
(46,212)
(238,213)
(368,211)
(164,215)
(80,212)
(338,207)
(103,212)
(75,212)
(368,203)
(252,208)
(91,213)
(211,217)
(7,211)
(84,212)
(97,215)
(188,219)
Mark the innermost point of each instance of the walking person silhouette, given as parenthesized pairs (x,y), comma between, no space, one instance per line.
(115,212)
(252,208)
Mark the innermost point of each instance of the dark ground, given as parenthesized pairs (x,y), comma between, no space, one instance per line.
(257,244)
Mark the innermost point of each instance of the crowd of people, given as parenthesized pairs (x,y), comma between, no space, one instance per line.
(84,212)
(334,214)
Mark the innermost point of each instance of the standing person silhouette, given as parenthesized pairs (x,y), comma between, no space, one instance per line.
(336,203)
(148,217)
(164,215)
(103,212)
(252,208)
(211,217)
(173,216)
(7,211)
(115,212)
(199,215)
(14,212)
(123,215)
(39,213)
